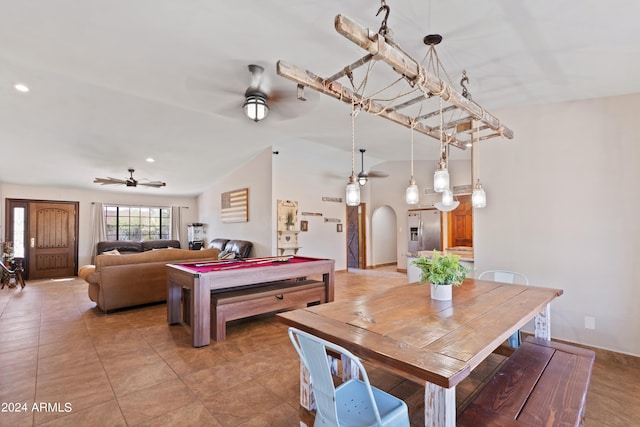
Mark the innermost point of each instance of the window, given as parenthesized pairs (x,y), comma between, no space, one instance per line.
(137,223)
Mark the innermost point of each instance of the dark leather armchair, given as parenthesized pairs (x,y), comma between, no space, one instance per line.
(218,244)
(242,248)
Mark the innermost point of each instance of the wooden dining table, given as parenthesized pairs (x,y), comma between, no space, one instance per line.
(437,343)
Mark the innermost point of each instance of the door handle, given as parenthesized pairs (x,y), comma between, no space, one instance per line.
(33,242)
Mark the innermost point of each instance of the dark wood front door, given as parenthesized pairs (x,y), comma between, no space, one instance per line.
(49,240)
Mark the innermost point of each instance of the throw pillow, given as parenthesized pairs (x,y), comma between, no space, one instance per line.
(226,255)
(111,252)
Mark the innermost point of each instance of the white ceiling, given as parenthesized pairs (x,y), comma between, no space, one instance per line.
(114,82)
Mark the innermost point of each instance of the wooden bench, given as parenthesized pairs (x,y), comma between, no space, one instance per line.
(240,303)
(543,383)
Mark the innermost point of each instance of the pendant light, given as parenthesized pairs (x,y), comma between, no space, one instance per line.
(447,197)
(353,187)
(478,197)
(441,175)
(412,195)
(447,203)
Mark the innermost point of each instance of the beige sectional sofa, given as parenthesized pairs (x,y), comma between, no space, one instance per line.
(120,281)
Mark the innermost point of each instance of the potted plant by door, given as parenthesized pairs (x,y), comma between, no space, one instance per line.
(442,271)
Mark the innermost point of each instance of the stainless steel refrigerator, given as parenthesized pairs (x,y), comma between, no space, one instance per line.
(424,230)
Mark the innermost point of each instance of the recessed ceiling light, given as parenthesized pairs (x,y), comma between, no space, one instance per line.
(150,159)
(21,87)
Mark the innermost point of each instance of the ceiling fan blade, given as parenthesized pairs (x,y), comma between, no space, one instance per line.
(156,184)
(377,174)
(109,181)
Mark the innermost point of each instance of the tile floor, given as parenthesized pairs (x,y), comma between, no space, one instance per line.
(63,362)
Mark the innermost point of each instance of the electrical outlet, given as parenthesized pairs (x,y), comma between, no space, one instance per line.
(589,322)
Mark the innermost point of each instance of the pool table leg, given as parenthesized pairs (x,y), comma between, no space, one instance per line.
(201,313)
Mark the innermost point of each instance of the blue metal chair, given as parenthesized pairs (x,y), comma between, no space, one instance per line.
(353,403)
(506,276)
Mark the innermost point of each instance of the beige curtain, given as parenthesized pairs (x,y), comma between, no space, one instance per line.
(176,222)
(98,227)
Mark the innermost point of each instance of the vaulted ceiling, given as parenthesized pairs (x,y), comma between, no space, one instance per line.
(114,82)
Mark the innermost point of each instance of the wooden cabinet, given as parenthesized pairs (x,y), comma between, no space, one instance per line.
(460,223)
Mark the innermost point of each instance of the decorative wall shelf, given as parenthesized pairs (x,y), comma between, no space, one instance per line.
(287,240)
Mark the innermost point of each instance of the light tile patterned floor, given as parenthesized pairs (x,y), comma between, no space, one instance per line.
(130,368)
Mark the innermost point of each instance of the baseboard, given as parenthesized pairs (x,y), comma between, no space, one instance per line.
(386,264)
(604,355)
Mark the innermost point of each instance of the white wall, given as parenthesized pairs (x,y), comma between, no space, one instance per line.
(256,175)
(86,197)
(562,207)
(384,242)
(302,171)
(306,172)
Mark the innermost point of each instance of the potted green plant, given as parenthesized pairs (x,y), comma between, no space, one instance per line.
(290,222)
(442,271)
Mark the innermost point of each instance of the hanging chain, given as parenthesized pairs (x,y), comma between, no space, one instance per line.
(384,29)
(465,91)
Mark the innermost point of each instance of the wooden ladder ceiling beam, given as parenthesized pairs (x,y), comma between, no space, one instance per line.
(338,91)
(403,64)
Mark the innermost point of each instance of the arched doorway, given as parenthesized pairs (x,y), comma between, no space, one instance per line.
(384,236)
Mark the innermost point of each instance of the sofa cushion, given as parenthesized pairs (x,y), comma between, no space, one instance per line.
(147,245)
(219,244)
(242,248)
(168,255)
(120,245)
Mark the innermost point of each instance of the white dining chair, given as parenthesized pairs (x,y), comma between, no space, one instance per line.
(355,402)
(507,276)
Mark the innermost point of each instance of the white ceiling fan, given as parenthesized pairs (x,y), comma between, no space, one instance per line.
(129,182)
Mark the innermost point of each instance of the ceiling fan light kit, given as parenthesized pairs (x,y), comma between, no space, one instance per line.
(256,107)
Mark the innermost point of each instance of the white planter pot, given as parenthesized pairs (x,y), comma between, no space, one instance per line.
(441,292)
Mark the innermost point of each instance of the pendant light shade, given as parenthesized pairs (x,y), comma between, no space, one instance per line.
(412,195)
(447,197)
(353,192)
(478,197)
(441,178)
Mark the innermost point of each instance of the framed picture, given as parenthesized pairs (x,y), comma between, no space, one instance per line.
(339,228)
(304,225)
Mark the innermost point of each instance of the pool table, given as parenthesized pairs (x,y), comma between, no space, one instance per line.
(203,277)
